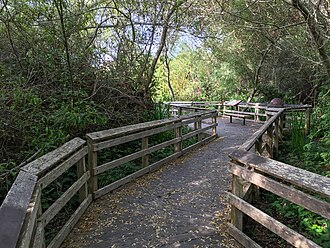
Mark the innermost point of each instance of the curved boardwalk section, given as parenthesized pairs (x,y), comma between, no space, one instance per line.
(180,205)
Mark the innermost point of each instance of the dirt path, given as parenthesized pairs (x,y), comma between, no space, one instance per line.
(180,205)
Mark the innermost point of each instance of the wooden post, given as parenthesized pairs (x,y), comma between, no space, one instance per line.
(145,158)
(199,126)
(178,134)
(237,215)
(307,120)
(81,169)
(214,129)
(281,126)
(195,123)
(92,164)
(276,136)
(256,111)
(39,236)
(270,141)
(268,116)
(180,111)
(258,145)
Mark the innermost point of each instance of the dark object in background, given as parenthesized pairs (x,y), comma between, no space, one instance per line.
(275,103)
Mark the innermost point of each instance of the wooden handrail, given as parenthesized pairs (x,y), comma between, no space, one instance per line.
(247,145)
(99,141)
(296,176)
(13,209)
(251,171)
(22,220)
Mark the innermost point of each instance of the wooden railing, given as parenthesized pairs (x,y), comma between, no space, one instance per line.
(22,217)
(259,112)
(23,220)
(254,170)
(106,139)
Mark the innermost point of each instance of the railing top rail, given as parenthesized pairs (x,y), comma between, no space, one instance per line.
(126,130)
(14,208)
(46,162)
(247,145)
(189,107)
(194,102)
(302,178)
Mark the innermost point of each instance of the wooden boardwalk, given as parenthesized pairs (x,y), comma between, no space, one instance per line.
(180,205)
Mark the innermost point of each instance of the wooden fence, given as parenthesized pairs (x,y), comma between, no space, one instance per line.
(259,112)
(23,218)
(254,170)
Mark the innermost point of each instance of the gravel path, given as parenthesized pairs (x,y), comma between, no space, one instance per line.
(180,205)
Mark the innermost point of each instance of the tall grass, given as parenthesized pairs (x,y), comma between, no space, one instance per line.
(297,134)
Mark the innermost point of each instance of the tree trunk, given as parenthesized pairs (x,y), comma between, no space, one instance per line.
(256,80)
(316,31)
(169,76)
(161,45)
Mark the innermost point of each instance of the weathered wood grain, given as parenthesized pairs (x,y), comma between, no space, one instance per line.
(60,202)
(247,145)
(241,237)
(65,230)
(92,164)
(81,170)
(198,131)
(236,214)
(135,175)
(126,130)
(309,202)
(178,135)
(291,236)
(30,222)
(61,168)
(229,111)
(294,175)
(195,119)
(144,146)
(132,137)
(48,161)
(39,236)
(120,182)
(115,163)
(14,207)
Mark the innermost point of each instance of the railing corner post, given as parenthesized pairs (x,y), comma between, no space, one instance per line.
(236,214)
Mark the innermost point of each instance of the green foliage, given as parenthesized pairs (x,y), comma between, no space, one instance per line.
(197,75)
(312,225)
(297,133)
(159,111)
